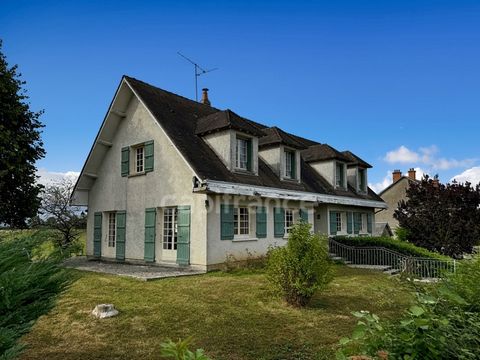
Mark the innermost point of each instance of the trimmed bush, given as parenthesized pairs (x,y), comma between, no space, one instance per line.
(301,268)
(402,247)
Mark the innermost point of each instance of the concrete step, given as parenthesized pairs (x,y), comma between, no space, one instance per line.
(370,267)
(392,271)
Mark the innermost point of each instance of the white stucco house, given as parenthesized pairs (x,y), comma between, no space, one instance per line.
(171,181)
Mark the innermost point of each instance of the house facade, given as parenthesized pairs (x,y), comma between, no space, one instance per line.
(392,195)
(172,181)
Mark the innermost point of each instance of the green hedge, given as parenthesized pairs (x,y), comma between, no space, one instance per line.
(402,247)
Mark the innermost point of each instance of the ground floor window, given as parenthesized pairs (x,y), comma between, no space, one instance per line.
(241,221)
(338,221)
(363,225)
(170,229)
(288,220)
(112,221)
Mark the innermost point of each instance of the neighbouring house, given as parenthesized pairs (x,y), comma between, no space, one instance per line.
(392,195)
(382,229)
(172,181)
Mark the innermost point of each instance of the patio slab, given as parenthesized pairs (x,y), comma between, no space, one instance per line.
(139,272)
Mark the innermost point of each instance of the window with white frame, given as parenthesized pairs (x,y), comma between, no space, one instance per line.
(290,164)
(139,159)
(170,230)
(288,220)
(340,174)
(241,221)
(241,161)
(363,225)
(338,221)
(112,229)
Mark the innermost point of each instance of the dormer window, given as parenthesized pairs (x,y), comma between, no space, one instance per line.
(340,175)
(290,165)
(362,179)
(243,160)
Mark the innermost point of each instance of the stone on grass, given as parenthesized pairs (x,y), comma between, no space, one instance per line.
(103,311)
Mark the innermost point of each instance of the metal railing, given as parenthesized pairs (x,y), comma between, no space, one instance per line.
(380,256)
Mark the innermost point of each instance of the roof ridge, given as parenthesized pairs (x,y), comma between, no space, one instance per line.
(127,77)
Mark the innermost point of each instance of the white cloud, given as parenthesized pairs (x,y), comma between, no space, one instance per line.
(471,175)
(48,177)
(426,156)
(420,173)
(379,186)
(402,155)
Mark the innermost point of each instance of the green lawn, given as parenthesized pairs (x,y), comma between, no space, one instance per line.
(231,316)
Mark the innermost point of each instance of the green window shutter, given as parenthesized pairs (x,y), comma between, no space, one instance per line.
(97,234)
(120,240)
(333,223)
(261,222)
(149,245)
(226,222)
(369,223)
(249,155)
(183,236)
(279,222)
(357,222)
(149,156)
(304,215)
(125,167)
(349,222)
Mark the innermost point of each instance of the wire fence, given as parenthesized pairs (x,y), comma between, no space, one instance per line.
(380,256)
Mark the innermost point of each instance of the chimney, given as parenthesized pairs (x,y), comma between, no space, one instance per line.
(205,97)
(412,174)
(396,175)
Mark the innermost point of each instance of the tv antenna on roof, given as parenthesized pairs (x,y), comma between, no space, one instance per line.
(198,71)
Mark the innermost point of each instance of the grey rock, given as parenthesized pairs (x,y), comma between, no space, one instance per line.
(103,311)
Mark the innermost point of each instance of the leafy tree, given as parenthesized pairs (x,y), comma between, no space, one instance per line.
(441,217)
(63,217)
(301,268)
(20,147)
(29,285)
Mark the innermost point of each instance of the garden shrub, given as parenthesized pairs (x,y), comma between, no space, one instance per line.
(402,247)
(401,234)
(443,323)
(29,286)
(300,268)
(466,282)
(179,350)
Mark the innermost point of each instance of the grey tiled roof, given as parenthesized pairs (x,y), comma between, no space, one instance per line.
(274,136)
(184,119)
(226,119)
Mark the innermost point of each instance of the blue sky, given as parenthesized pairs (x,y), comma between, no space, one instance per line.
(398,83)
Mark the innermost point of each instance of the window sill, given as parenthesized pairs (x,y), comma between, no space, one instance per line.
(243,172)
(137,174)
(287,179)
(246,239)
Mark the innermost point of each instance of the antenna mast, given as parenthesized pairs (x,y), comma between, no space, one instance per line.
(198,71)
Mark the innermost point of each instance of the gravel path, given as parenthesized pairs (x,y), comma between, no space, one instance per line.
(140,272)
